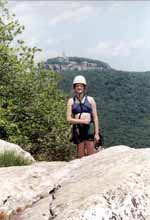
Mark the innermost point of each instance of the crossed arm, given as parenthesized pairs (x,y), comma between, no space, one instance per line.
(73,120)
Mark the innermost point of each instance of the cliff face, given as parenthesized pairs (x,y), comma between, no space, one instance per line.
(61,64)
(112,184)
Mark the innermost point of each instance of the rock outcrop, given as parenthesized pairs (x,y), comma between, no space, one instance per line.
(6,146)
(22,187)
(112,184)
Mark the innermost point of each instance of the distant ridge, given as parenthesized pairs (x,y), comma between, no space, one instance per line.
(64,63)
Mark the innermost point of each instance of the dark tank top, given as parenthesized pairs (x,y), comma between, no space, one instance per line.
(80,107)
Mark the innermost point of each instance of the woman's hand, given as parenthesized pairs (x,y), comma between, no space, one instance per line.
(86,121)
(85,118)
(96,138)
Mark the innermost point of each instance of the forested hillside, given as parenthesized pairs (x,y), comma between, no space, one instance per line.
(123,101)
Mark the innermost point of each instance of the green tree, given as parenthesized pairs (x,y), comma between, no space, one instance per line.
(32,108)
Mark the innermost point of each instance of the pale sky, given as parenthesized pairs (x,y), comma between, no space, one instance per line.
(116,32)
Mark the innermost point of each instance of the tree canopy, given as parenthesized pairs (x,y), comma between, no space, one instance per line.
(32,108)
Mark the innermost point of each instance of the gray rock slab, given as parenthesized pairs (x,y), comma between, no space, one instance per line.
(112,184)
(39,211)
(23,186)
(6,146)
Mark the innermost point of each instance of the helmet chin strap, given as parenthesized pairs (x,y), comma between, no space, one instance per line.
(80,95)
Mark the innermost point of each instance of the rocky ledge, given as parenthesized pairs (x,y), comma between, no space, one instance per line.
(111,184)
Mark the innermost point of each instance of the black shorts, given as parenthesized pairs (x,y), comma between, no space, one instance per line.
(82,132)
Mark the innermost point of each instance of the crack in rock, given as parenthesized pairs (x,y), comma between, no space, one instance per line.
(51,211)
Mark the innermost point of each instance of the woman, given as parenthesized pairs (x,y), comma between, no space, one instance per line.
(82,113)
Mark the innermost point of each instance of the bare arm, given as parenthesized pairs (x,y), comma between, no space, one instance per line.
(95,117)
(71,119)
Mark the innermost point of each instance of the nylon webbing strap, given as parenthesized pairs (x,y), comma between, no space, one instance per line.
(80,104)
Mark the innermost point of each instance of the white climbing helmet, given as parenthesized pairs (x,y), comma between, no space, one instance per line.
(79,79)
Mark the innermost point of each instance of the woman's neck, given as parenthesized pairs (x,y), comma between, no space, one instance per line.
(80,95)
